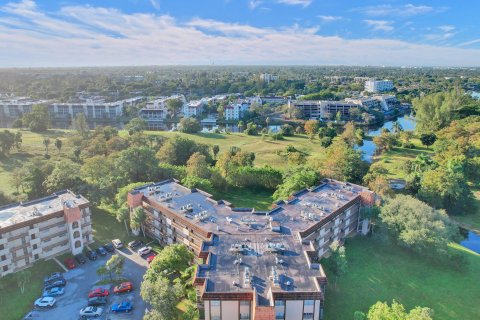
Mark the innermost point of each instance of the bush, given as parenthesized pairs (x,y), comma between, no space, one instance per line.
(287,130)
(189,125)
(277,136)
(198,183)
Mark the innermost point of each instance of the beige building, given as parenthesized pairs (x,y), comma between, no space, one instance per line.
(42,229)
(252,264)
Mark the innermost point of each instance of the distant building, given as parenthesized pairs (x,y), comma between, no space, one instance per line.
(274,99)
(256,264)
(267,77)
(376,86)
(235,111)
(11,108)
(156,111)
(385,102)
(320,109)
(42,229)
(360,79)
(193,108)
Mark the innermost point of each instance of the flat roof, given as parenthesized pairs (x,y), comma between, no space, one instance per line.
(20,212)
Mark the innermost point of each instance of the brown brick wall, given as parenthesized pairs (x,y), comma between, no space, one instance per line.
(264,313)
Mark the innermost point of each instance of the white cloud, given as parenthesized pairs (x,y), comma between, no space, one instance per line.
(330,18)
(442,33)
(468,43)
(94,36)
(253,4)
(303,3)
(447,28)
(155,4)
(407,10)
(379,25)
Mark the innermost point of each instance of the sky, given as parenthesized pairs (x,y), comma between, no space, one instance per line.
(48,33)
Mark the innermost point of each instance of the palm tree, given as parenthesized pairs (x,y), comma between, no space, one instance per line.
(397,127)
(122,215)
(58,144)
(267,122)
(46,143)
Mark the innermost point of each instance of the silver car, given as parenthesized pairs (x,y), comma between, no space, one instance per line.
(88,312)
(45,302)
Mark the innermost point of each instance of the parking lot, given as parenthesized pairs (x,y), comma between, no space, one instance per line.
(84,278)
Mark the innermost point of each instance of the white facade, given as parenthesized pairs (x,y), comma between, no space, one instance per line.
(267,77)
(373,85)
(235,111)
(193,108)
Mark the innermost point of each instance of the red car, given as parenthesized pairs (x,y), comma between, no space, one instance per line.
(98,293)
(70,263)
(150,258)
(123,287)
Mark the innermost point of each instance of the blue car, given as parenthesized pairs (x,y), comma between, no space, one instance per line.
(125,306)
(53,292)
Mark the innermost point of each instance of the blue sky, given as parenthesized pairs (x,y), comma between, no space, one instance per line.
(165,32)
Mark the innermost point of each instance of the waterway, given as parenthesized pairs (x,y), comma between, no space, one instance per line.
(368,148)
(471,241)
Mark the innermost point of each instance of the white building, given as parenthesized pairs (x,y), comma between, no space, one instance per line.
(42,229)
(267,77)
(235,111)
(375,86)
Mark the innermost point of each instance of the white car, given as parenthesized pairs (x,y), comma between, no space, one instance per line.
(88,312)
(144,250)
(45,302)
(117,243)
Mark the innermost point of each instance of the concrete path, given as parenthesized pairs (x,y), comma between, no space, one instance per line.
(60,264)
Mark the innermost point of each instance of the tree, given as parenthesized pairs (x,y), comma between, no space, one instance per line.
(123,214)
(267,123)
(136,125)
(121,195)
(23,277)
(197,166)
(178,150)
(80,125)
(385,141)
(337,261)
(7,141)
(240,126)
(428,139)
(418,226)
(174,106)
(65,175)
(194,182)
(114,265)
(349,134)
(311,127)
(4,199)
(251,129)
(338,116)
(382,311)
(295,179)
(36,173)
(189,125)
(137,219)
(46,143)
(58,144)
(18,140)
(397,127)
(38,120)
(137,164)
(17,178)
(215,150)
(163,298)
(173,259)
(287,130)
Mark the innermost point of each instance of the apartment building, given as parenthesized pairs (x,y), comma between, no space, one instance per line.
(96,114)
(383,102)
(155,112)
(256,264)
(375,86)
(267,77)
(319,109)
(42,229)
(11,108)
(193,108)
(235,111)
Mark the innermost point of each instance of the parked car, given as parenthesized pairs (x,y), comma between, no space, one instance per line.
(53,277)
(57,283)
(99,292)
(80,258)
(135,243)
(92,255)
(151,257)
(90,311)
(97,301)
(45,302)
(117,243)
(70,263)
(109,247)
(144,250)
(125,306)
(101,251)
(53,292)
(123,287)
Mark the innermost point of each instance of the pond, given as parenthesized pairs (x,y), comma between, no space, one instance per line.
(471,241)
(368,148)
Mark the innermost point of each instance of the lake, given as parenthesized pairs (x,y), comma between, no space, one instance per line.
(407,122)
(471,241)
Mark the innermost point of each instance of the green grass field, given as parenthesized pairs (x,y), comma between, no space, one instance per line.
(246,198)
(381,272)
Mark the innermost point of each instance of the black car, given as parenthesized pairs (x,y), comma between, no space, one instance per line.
(101,251)
(109,247)
(135,243)
(97,301)
(53,277)
(92,255)
(57,283)
(80,258)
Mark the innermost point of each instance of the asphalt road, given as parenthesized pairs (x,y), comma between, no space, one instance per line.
(82,279)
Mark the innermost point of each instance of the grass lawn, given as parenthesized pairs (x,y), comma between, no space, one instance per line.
(13,304)
(246,198)
(393,160)
(381,272)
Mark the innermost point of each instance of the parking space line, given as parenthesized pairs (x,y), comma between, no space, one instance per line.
(60,264)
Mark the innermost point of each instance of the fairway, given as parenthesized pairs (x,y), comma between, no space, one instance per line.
(378,271)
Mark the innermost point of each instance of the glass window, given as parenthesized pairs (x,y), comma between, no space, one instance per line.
(308,316)
(76,234)
(279,309)
(244,310)
(215,311)
(78,244)
(308,302)
(75,224)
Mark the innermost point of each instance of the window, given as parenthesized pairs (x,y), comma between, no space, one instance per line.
(244,310)
(215,311)
(2,247)
(35,257)
(5,268)
(32,236)
(308,316)
(75,225)
(35,246)
(76,234)
(308,302)
(78,244)
(4,257)
(279,309)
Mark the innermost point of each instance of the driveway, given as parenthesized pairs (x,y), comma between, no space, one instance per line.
(82,279)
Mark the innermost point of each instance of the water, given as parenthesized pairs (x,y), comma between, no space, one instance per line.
(368,148)
(472,241)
